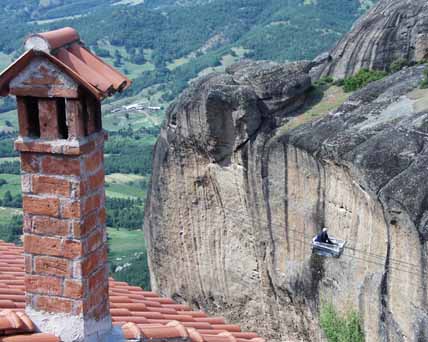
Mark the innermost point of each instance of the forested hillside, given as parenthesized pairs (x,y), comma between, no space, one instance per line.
(161,45)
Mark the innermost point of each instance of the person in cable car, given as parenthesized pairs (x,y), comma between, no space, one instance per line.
(323,237)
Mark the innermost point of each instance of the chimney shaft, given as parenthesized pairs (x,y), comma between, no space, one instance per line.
(65,239)
(59,85)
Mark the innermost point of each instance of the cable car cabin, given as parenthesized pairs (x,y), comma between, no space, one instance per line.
(333,249)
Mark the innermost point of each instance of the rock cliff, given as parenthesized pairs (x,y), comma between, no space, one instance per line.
(392,30)
(249,165)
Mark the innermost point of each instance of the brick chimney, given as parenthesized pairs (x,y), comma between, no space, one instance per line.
(59,85)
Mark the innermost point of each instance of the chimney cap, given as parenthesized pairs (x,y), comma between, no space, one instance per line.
(64,49)
(52,40)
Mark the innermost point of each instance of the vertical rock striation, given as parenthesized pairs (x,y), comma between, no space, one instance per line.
(392,30)
(235,201)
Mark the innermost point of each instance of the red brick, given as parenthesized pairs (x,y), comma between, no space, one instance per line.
(96,181)
(75,120)
(24,125)
(98,279)
(50,185)
(64,166)
(43,285)
(48,117)
(94,113)
(94,161)
(33,146)
(92,203)
(102,216)
(80,150)
(72,249)
(83,228)
(30,162)
(50,226)
(73,289)
(43,245)
(52,266)
(97,298)
(26,224)
(83,188)
(94,240)
(40,206)
(63,92)
(44,91)
(94,260)
(54,305)
(28,264)
(101,310)
(71,210)
(30,91)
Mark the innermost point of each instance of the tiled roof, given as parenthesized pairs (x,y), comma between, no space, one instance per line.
(143,315)
(64,49)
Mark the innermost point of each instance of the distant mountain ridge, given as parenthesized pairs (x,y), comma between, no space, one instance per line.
(162,44)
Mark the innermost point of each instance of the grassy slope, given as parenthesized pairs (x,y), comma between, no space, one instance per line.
(13,184)
(6,213)
(328,101)
(120,185)
(124,244)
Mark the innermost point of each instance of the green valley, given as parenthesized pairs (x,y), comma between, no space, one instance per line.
(162,45)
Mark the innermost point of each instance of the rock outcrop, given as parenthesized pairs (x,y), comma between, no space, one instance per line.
(235,200)
(239,188)
(391,31)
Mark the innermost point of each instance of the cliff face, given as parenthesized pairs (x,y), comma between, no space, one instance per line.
(392,30)
(240,186)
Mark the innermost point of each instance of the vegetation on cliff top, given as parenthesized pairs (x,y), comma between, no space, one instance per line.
(325,99)
(424,83)
(362,78)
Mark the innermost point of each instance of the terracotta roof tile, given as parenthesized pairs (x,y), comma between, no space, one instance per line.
(81,68)
(9,320)
(162,331)
(30,337)
(228,327)
(162,310)
(197,314)
(211,320)
(131,331)
(16,326)
(194,335)
(223,337)
(58,38)
(141,314)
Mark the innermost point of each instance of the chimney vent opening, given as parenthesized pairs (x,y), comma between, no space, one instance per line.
(62,119)
(32,109)
(85,115)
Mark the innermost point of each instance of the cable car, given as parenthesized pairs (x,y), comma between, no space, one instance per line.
(333,249)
